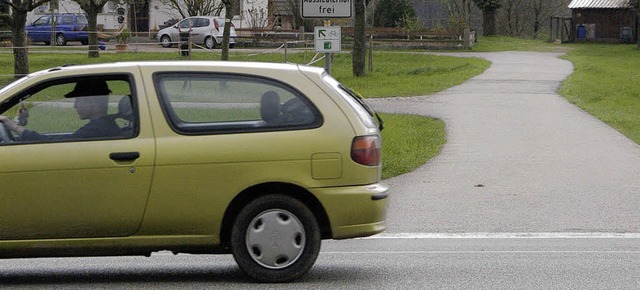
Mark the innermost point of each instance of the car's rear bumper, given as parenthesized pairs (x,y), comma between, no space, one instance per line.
(355,211)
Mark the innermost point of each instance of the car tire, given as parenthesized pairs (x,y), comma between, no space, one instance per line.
(165,41)
(210,42)
(61,40)
(84,42)
(275,239)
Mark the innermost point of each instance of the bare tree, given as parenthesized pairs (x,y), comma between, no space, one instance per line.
(459,11)
(511,22)
(188,8)
(528,18)
(543,10)
(257,20)
(18,18)
(635,4)
(92,8)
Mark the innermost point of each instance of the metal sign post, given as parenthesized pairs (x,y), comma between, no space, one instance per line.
(327,39)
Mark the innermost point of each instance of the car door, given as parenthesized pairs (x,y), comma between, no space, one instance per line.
(40,30)
(184,26)
(217,134)
(62,186)
(200,30)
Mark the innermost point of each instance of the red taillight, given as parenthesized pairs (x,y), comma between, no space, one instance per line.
(366,150)
(215,22)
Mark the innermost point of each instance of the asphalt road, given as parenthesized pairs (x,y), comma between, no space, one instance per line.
(411,262)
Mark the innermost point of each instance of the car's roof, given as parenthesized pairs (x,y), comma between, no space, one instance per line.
(170,65)
(205,16)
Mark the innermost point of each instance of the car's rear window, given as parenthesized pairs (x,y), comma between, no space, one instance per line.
(200,103)
(82,20)
(364,112)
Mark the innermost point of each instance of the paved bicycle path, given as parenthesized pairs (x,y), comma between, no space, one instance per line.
(518,158)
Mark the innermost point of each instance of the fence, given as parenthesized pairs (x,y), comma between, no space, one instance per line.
(395,37)
(391,37)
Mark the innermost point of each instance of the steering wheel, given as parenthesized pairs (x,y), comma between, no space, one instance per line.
(5,134)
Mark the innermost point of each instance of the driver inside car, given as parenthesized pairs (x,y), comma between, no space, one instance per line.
(91,101)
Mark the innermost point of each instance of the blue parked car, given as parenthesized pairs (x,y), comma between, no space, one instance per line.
(68,27)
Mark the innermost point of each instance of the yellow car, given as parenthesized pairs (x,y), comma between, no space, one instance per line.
(258,160)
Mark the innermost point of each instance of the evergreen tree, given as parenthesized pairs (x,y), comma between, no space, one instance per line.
(392,13)
(488,8)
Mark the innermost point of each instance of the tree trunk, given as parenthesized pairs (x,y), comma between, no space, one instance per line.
(489,22)
(360,40)
(92,18)
(20,53)
(228,13)
(537,15)
(637,28)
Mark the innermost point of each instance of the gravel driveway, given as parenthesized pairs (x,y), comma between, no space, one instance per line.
(518,158)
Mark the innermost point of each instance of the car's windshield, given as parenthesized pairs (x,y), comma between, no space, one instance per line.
(10,86)
(41,21)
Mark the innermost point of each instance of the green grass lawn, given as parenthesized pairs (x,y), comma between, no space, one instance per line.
(606,84)
(504,43)
(409,141)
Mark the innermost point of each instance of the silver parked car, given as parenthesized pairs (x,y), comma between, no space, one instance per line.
(205,30)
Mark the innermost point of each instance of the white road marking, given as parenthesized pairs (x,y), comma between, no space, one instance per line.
(485,252)
(549,235)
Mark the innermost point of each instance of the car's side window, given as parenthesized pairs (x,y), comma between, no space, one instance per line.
(200,22)
(186,23)
(42,21)
(210,103)
(66,20)
(93,108)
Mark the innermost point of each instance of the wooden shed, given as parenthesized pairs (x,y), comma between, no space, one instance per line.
(603,21)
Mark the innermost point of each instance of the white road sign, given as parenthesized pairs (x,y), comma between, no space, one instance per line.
(326,8)
(327,38)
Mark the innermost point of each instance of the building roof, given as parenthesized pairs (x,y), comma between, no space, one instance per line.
(599,4)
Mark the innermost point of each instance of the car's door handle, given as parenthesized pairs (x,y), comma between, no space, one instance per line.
(124,156)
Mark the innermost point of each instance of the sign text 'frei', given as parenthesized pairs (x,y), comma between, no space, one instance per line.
(326,8)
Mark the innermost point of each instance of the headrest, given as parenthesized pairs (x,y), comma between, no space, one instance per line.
(124,108)
(270,107)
